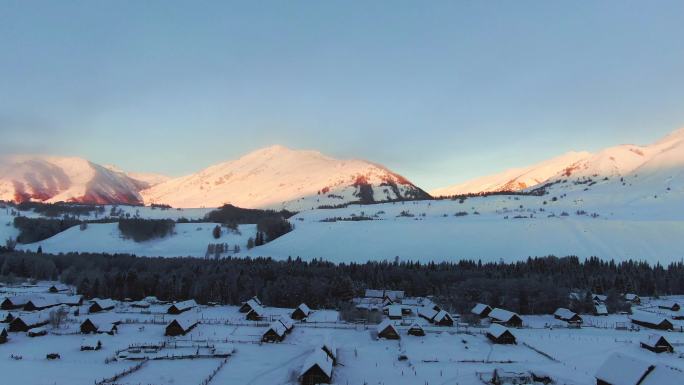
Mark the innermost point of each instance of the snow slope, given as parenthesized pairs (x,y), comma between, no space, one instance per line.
(277,177)
(189,239)
(55,179)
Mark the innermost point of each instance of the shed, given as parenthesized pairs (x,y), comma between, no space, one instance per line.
(275,332)
(181,307)
(181,325)
(567,315)
(387,330)
(317,369)
(250,304)
(652,321)
(656,343)
(481,310)
(99,305)
(416,330)
(500,334)
(505,317)
(302,311)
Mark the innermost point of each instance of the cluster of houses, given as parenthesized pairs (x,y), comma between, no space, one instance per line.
(318,366)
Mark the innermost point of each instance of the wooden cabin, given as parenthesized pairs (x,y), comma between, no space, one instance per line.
(481,310)
(669,305)
(317,369)
(181,307)
(302,311)
(656,343)
(26,322)
(500,334)
(100,305)
(416,330)
(567,315)
(181,326)
(250,304)
(88,327)
(600,309)
(387,330)
(621,369)
(257,313)
(275,332)
(652,321)
(442,318)
(15,302)
(505,317)
(427,312)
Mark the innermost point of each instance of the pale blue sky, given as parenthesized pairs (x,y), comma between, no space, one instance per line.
(437,91)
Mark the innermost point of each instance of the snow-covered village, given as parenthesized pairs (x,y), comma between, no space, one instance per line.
(349,193)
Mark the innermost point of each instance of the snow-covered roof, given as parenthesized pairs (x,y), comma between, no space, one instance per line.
(107,327)
(441,315)
(394,310)
(104,303)
(258,309)
(599,297)
(33,318)
(631,297)
(415,326)
(652,339)
(427,312)
(287,322)
(304,308)
(600,309)
(143,304)
(330,345)
(502,315)
(650,318)
(668,304)
(185,321)
(20,300)
(185,305)
(45,302)
(278,328)
(373,293)
(479,308)
(71,299)
(564,313)
(253,302)
(318,358)
(60,287)
(384,325)
(497,330)
(620,369)
(391,294)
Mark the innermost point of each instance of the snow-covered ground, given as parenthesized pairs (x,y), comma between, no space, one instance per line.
(188,239)
(446,355)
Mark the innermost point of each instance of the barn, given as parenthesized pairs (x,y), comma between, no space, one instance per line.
(651,321)
(99,305)
(302,311)
(500,334)
(257,313)
(275,333)
(181,326)
(669,305)
(416,330)
(656,343)
(181,307)
(567,315)
(387,330)
(250,304)
(26,322)
(317,369)
(481,310)
(505,317)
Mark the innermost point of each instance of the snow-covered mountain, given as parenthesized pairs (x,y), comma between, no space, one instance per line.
(147,179)
(515,179)
(69,179)
(656,162)
(278,177)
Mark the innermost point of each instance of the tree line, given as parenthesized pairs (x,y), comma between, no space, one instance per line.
(533,286)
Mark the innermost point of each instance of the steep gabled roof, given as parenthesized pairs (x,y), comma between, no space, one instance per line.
(320,359)
(620,369)
(502,315)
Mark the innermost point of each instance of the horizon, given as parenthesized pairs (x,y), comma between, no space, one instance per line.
(442,93)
